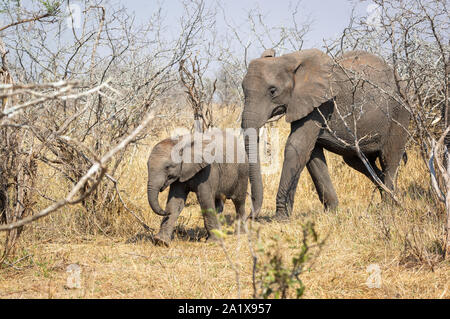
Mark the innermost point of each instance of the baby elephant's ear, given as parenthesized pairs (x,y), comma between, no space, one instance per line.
(188,170)
(193,159)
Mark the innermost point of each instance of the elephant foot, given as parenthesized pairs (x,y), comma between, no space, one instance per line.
(281,218)
(284,209)
(330,209)
(254,216)
(330,204)
(160,240)
(240,228)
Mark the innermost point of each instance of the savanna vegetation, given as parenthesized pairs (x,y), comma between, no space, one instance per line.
(86,94)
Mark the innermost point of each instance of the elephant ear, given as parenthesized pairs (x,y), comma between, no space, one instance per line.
(312,82)
(196,161)
(269,53)
(188,170)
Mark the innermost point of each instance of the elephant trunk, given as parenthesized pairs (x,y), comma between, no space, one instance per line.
(252,150)
(152,194)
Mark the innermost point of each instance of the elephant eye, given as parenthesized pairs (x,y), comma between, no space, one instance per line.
(272,91)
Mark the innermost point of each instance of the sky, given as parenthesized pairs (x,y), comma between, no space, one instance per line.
(329,17)
(328,20)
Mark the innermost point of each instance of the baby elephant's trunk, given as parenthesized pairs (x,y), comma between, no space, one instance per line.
(152,194)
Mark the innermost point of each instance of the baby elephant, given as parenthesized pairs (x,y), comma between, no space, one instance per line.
(205,164)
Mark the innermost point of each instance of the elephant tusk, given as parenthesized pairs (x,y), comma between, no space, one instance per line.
(277,113)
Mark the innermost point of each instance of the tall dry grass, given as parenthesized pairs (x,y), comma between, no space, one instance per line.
(119,261)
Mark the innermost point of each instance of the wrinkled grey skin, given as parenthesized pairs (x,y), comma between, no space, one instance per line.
(212,183)
(303,86)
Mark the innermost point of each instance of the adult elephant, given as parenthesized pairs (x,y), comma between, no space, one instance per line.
(330,103)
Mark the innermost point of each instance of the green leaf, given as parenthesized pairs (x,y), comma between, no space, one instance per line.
(218,233)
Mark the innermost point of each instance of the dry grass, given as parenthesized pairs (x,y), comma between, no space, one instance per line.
(118,260)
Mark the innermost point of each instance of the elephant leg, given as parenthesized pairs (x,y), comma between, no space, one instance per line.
(318,169)
(356,163)
(390,161)
(219,205)
(239,198)
(239,205)
(299,146)
(207,204)
(394,150)
(175,204)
